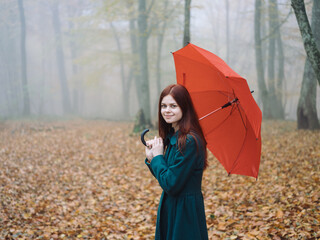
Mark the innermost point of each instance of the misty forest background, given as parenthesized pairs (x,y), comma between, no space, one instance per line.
(74,76)
(108,59)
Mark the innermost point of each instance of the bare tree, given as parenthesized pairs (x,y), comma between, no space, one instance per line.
(263,92)
(125,81)
(227,31)
(277,111)
(26,99)
(308,39)
(9,57)
(60,57)
(307,110)
(160,38)
(270,93)
(134,49)
(74,9)
(186,34)
(42,26)
(143,59)
(281,59)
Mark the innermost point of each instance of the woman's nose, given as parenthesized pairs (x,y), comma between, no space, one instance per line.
(167,109)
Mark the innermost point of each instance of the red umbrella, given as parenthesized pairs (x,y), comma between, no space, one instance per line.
(228,114)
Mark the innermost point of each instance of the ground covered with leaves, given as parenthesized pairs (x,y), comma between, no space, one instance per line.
(87,180)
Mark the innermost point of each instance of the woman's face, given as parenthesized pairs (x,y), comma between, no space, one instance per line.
(170,111)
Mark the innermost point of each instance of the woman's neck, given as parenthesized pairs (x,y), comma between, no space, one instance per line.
(175,127)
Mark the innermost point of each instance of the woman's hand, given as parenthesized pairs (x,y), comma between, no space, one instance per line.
(154,148)
(149,151)
(157,146)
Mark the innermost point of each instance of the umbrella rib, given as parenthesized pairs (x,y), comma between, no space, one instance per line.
(216,110)
(231,109)
(237,158)
(242,117)
(219,124)
(235,100)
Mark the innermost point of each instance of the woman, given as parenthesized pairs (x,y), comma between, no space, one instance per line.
(177,162)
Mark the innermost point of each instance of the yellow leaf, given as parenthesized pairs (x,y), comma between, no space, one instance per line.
(279,213)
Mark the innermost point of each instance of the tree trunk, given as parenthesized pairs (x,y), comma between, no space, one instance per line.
(44,58)
(158,61)
(264,32)
(60,58)
(8,55)
(307,111)
(125,85)
(263,92)
(186,34)
(308,39)
(43,79)
(11,56)
(73,50)
(227,32)
(4,88)
(277,108)
(271,53)
(134,67)
(26,100)
(159,49)
(143,60)
(280,87)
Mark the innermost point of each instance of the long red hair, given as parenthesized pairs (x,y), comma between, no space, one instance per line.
(189,123)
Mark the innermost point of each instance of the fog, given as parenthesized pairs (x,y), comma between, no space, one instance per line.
(79,56)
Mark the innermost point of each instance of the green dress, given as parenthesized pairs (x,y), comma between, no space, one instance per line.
(181,212)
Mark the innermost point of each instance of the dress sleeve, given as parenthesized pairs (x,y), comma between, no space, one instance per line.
(173,178)
(148,164)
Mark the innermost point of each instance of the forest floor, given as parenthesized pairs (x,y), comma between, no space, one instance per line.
(87,180)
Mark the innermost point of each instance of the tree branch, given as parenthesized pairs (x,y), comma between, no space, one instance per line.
(307,36)
(274,30)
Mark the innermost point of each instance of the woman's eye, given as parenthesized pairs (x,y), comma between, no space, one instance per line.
(173,106)
(163,106)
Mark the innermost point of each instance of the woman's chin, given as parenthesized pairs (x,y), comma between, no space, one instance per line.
(169,121)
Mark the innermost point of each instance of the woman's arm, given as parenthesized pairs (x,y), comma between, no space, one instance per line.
(173,178)
(149,154)
(147,162)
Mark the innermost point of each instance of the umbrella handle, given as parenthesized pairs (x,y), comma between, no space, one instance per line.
(222,107)
(142,136)
(229,103)
(233,101)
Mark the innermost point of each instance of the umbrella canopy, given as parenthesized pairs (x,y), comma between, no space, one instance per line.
(233,132)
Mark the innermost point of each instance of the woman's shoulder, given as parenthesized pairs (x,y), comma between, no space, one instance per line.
(193,138)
